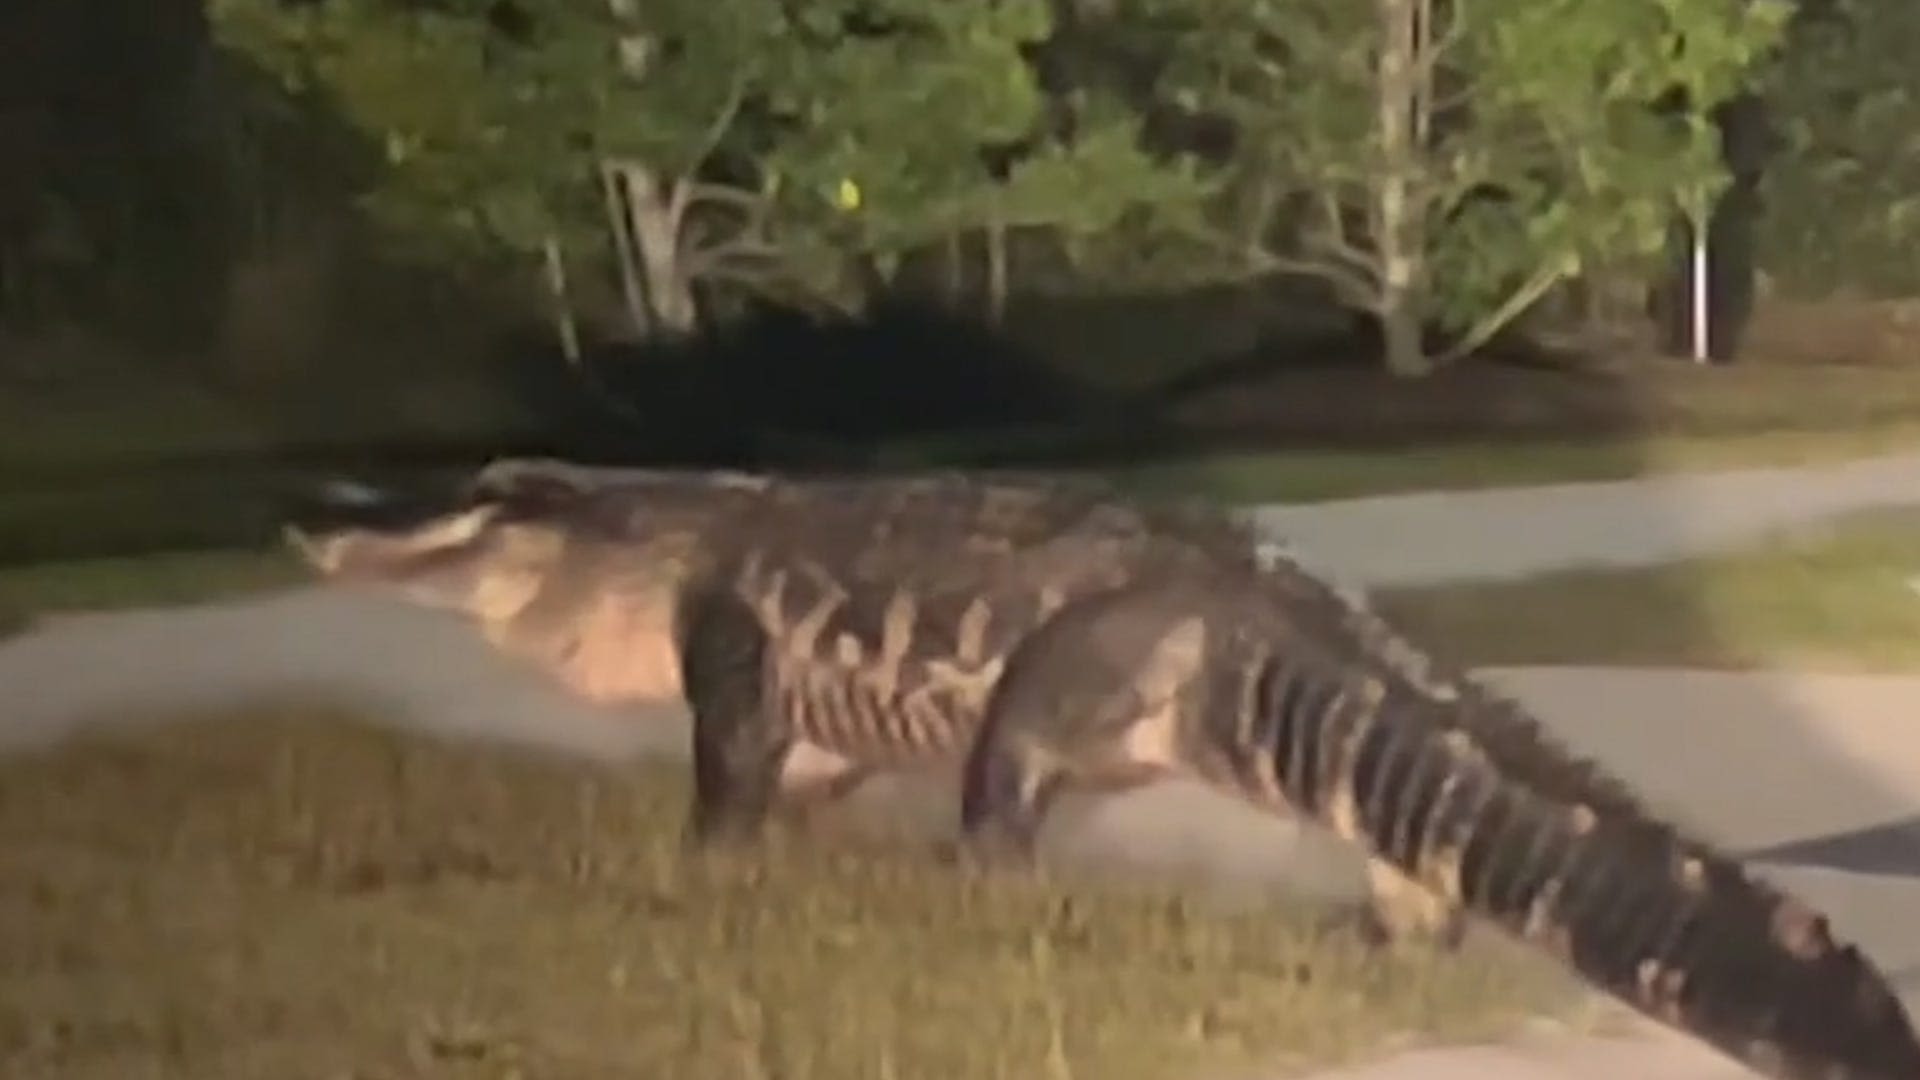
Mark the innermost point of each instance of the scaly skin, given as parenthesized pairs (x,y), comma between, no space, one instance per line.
(880,609)
(825,629)
(1252,685)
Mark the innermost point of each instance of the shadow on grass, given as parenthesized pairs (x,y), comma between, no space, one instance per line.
(1891,848)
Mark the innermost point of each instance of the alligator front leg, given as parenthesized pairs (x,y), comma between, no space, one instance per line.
(1400,910)
(814,786)
(741,739)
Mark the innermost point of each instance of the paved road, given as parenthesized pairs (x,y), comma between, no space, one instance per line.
(1511,532)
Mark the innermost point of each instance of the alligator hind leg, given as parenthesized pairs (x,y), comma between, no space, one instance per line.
(740,740)
(1091,702)
(1004,797)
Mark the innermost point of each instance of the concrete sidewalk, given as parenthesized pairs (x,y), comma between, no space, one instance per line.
(1768,762)
(1814,778)
(1443,536)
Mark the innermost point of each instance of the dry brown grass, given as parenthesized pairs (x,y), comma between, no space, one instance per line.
(285,892)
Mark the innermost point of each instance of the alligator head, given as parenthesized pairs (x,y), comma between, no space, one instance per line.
(582,579)
(472,559)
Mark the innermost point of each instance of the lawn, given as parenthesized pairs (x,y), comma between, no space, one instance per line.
(120,581)
(287,891)
(1311,435)
(1832,597)
(171,469)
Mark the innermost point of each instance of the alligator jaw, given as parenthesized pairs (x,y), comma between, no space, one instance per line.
(316,553)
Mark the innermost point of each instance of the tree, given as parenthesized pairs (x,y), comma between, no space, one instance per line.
(111,214)
(501,124)
(794,150)
(1846,189)
(1449,161)
(476,146)
(927,121)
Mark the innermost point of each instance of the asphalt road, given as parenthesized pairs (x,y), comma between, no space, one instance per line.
(1513,532)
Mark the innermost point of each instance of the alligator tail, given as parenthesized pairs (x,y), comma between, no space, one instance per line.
(1463,796)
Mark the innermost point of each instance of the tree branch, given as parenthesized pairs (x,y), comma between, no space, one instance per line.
(774,282)
(1448,39)
(1425,63)
(684,188)
(747,202)
(717,130)
(1333,240)
(1490,324)
(710,261)
(1349,284)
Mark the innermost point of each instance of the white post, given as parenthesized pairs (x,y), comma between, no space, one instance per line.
(1700,338)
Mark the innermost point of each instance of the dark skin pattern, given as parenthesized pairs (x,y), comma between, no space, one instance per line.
(839,636)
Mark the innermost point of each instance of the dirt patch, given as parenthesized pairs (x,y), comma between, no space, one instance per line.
(1837,332)
(1620,399)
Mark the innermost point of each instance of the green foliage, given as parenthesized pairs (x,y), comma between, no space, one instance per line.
(1545,151)
(1843,192)
(111,210)
(848,132)
(813,148)
(882,112)
(469,126)
(1564,129)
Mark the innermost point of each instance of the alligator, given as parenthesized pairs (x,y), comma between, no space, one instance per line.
(1051,637)
(923,583)
(584,571)
(911,593)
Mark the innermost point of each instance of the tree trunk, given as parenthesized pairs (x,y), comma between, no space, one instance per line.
(953,271)
(996,239)
(563,324)
(1399,218)
(655,226)
(623,245)
(1401,342)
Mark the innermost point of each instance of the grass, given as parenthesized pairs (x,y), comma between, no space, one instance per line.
(286,891)
(179,577)
(131,412)
(1831,597)
(1313,435)
(145,465)
(140,580)
(210,505)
